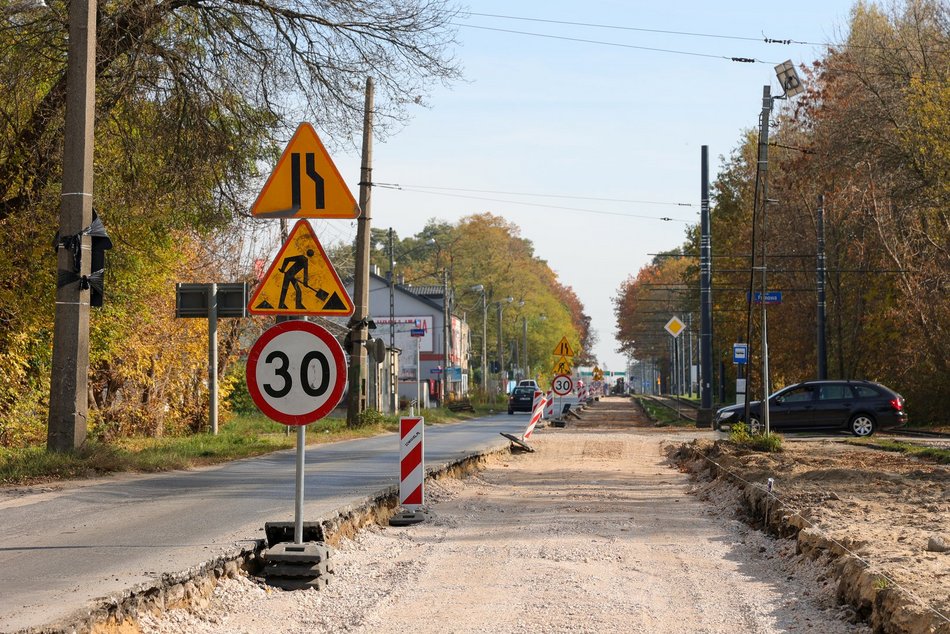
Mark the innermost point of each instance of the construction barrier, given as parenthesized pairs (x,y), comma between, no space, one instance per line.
(549,405)
(411,463)
(536,411)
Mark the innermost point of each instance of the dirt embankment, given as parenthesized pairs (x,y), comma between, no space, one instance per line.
(881,521)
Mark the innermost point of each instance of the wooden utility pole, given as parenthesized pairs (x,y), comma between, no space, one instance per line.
(359,331)
(68,403)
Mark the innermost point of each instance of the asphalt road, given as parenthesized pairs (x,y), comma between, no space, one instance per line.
(63,548)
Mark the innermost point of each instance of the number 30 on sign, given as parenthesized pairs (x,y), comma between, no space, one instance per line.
(296,372)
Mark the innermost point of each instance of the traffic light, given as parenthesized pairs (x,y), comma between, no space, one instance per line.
(100,243)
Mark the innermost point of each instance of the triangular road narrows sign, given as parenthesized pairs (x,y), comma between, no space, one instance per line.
(305,183)
(301,280)
(563,348)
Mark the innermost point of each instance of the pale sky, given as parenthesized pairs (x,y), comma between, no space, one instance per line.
(574,121)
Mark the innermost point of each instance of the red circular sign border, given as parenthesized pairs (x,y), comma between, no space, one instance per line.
(251,372)
(558,377)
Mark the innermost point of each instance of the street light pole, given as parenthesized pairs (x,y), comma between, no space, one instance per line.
(764,167)
(524,328)
(392,324)
(480,288)
(446,332)
(501,350)
(68,405)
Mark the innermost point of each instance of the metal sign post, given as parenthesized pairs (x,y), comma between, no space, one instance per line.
(296,372)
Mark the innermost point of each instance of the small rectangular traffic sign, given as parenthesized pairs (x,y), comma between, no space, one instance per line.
(771,297)
(740,353)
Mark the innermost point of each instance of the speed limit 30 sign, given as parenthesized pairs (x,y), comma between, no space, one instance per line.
(562,385)
(296,372)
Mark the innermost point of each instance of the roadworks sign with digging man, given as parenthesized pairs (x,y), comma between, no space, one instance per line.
(301,280)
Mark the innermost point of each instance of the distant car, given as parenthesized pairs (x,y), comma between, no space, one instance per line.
(860,407)
(521,399)
(529,383)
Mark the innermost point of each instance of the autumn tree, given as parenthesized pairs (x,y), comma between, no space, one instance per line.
(192,97)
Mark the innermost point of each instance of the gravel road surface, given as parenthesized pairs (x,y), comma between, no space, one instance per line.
(595,532)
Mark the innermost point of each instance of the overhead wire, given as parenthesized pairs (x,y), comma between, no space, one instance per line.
(747,60)
(742,38)
(741,59)
(535,195)
(616,27)
(541,205)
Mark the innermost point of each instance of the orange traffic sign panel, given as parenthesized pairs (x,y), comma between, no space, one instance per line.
(305,183)
(563,348)
(301,280)
(563,366)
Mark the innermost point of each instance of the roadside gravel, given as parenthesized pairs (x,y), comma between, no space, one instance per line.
(595,532)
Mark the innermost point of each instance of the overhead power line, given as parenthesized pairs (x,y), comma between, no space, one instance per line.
(534,195)
(616,27)
(741,38)
(529,204)
(746,60)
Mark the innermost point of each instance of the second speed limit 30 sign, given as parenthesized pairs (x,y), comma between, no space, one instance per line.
(562,385)
(296,372)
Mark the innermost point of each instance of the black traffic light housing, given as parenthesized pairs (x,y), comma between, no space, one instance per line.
(100,243)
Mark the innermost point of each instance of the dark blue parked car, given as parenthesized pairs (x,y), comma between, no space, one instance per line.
(860,407)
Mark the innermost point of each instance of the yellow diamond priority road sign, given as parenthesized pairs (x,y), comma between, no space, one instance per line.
(674,326)
(305,183)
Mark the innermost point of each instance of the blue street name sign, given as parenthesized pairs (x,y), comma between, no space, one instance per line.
(740,353)
(771,297)
(417,332)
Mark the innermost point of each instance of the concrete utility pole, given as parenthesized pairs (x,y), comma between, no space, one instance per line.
(822,349)
(689,356)
(68,403)
(446,333)
(704,419)
(764,167)
(359,332)
(392,322)
(524,328)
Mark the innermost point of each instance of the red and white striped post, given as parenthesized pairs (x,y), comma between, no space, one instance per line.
(549,405)
(581,394)
(411,463)
(536,411)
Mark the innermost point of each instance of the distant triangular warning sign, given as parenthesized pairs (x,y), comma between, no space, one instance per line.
(301,280)
(563,348)
(305,183)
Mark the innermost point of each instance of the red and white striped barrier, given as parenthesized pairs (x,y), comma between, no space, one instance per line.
(411,463)
(582,394)
(536,412)
(549,405)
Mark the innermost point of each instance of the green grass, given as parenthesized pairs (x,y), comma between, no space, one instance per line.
(941,456)
(663,416)
(740,435)
(243,436)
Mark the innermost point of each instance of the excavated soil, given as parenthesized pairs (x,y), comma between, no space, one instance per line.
(880,521)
